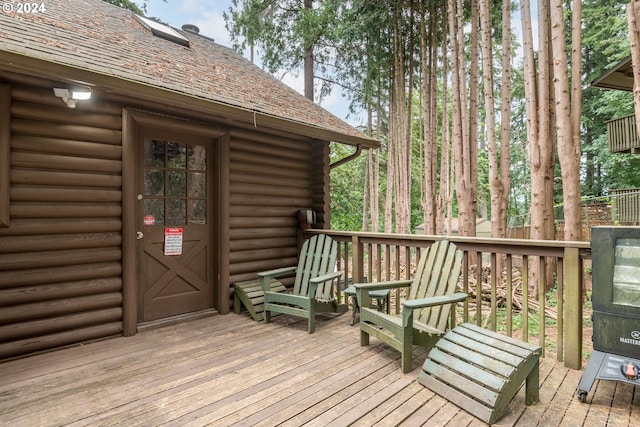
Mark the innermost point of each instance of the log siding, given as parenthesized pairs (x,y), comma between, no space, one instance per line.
(270,179)
(61,256)
(5,150)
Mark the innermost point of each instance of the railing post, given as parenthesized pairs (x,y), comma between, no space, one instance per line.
(358,259)
(573,308)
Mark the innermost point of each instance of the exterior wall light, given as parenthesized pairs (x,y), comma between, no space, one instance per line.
(72,96)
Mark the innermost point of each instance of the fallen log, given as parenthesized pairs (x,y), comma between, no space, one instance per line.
(517,299)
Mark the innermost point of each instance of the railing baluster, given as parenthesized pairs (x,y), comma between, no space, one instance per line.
(478,288)
(509,291)
(379,263)
(494,296)
(370,255)
(542,290)
(525,298)
(559,310)
(398,272)
(387,262)
(465,285)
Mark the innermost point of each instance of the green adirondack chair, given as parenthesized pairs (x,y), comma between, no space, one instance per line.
(425,312)
(313,290)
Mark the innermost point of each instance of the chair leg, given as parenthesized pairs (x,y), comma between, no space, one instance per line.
(312,324)
(267,316)
(312,318)
(532,387)
(407,347)
(364,338)
(354,306)
(407,357)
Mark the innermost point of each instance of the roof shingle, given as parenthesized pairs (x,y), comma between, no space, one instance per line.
(98,37)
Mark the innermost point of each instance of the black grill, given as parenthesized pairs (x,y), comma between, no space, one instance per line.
(616,307)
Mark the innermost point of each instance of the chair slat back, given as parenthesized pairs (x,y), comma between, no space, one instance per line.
(317,257)
(437,274)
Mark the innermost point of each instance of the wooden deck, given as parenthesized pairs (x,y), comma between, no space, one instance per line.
(231,370)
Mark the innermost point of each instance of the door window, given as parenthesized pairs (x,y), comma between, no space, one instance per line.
(175,185)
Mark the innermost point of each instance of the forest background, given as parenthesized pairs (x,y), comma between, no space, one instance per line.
(471,124)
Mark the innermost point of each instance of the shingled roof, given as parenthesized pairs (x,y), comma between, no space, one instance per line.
(109,42)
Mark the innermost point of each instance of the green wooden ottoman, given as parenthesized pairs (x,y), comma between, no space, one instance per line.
(250,295)
(481,371)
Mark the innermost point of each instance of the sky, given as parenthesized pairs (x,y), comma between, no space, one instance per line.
(207,15)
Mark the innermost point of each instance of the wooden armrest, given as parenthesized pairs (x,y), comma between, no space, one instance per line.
(430,302)
(277,272)
(363,289)
(316,281)
(384,285)
(326,277)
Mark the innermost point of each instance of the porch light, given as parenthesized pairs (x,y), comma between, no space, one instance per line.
(72,96)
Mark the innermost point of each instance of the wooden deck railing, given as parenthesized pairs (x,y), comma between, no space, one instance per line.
(554,322)
(622,134)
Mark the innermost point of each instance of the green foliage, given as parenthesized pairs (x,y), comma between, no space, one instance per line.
(281,30)
(347,188)
(131,5)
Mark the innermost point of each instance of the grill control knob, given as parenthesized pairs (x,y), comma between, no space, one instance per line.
(631,371)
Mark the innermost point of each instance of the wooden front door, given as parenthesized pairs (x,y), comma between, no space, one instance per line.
(175,232)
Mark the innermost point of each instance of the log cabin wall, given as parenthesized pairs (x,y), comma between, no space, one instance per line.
(60,257)
(320,184)
(271,177)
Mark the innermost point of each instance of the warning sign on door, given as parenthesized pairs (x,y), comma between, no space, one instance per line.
(173,241)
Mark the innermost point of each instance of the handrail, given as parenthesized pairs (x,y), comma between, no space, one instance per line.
(622,134)
(535,265)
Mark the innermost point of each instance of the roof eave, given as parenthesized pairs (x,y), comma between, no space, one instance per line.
(617,77)
(37,67)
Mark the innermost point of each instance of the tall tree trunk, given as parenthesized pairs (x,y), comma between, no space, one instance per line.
(445,195)
(539,130)
(308,60)
(430,149)
(495,185)
(368,179)
(541,148)
(456,108)
(408,137)
(391,164)
(568,143)
(531,99)
(633,18)
(505,119)
(465,152)
(471,142)
(375,198)
(398,132)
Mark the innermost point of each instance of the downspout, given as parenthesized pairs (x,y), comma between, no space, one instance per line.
(348,158)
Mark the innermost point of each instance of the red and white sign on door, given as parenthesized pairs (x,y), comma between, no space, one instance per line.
(173,240)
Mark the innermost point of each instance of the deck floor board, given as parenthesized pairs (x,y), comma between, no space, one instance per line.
(231,370)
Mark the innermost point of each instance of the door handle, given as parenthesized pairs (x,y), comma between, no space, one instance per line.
(139,235)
